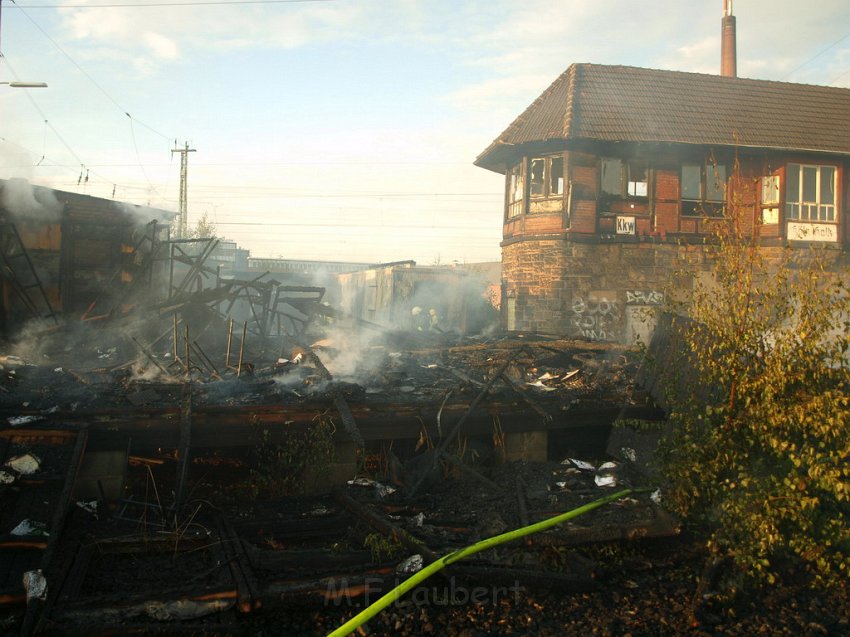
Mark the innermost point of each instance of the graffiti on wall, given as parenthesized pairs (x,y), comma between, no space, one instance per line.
(644,297)
(597,318)
(641,306)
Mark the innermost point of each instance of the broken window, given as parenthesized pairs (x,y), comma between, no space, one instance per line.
(810,193)
(624,179)
(637,179)
(703,190)
(536,182)
(556,176)
(546,176)
(770,189)
(611,172)
(515,192)
(770,199)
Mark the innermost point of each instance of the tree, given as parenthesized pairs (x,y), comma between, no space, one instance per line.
(759,445)
(205,228)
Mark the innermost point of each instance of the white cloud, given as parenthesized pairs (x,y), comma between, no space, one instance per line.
(161,46)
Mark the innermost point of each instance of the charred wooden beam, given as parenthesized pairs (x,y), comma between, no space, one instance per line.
(339,401)
(184,448)
(457,428)
(36,607)
(384,526)
(571,536)
(311,560)
(246,583)
(522,505)
(520,390)
(162,606)
(467,470)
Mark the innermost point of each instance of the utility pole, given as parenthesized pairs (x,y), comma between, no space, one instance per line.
(182,218)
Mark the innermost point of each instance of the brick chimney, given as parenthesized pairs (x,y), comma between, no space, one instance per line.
(728,54)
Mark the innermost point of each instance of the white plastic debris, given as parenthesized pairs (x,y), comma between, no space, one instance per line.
(24,465)
(412,564)
(538,385)
(607,480)
(431,366)
(656,496)
(418,519)
(605,475)
(90,507)
(28,527)
(35,584)
(382,490)
(58,370)
(581,464)
(17,421)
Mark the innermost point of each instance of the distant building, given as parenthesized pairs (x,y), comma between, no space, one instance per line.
(406,296)
(302,267)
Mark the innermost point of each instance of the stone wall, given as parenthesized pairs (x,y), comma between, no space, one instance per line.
(604,290)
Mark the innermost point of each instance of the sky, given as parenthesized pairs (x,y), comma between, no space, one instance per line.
(343,129)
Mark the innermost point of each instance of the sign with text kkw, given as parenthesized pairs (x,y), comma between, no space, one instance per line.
(798,231)
(625,225)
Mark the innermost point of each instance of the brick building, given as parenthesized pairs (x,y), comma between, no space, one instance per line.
(614,175)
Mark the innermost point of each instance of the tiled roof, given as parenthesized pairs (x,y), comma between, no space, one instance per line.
(630,104)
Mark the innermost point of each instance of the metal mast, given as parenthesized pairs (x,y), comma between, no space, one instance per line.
(182,217)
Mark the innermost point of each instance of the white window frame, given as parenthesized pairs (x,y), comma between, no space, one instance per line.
(815,211)
(515,190)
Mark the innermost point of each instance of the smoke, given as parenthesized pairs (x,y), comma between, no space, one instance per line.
(344,351)
(15,161)
(143,215)
(24,201)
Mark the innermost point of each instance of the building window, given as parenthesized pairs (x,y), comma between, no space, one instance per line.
(516,191)
(546,176)
(624,179)
(770,200)
(810,193)
(703,190)
(770,189)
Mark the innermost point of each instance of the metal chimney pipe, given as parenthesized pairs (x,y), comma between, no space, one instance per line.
(728,52)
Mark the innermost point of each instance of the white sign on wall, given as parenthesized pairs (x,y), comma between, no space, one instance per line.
(798,231)
(625,225)
(770,216)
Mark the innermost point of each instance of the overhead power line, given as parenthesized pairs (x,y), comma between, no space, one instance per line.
(816,56)
(166,4)
(83,71)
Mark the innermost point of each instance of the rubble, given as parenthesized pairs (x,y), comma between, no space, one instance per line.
(188,434)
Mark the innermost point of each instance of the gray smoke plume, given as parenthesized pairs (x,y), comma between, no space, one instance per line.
(24,201)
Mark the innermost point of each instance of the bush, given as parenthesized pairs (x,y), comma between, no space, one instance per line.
(759,445)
